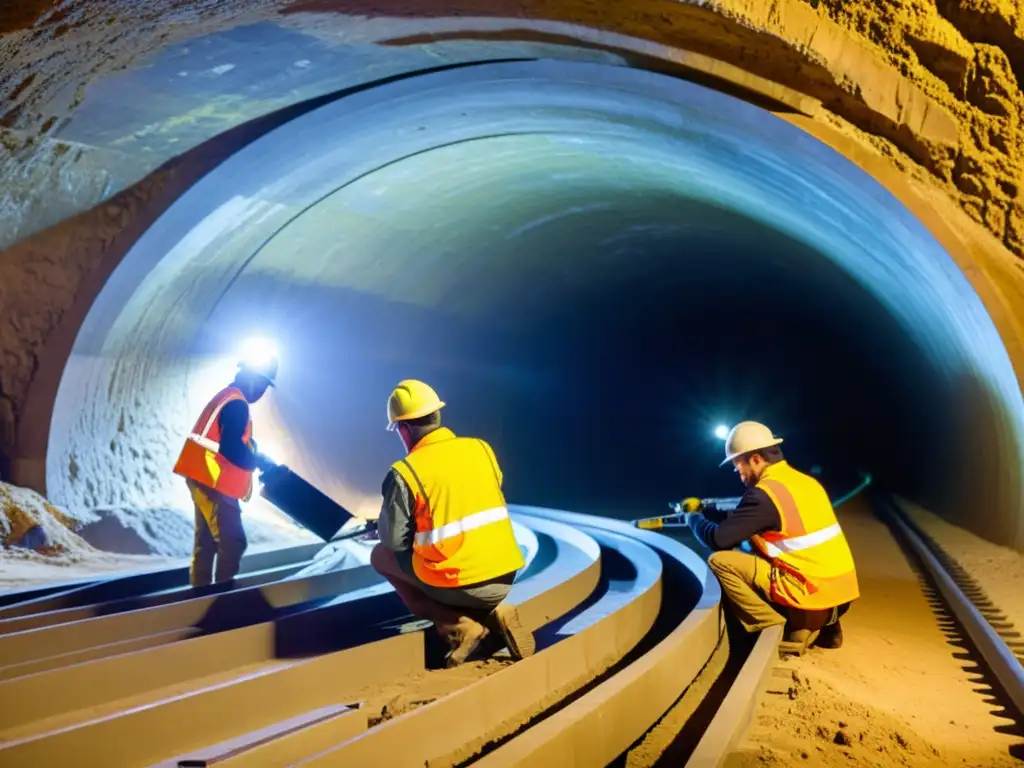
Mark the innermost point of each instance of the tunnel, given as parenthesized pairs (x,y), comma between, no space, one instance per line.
(594,265)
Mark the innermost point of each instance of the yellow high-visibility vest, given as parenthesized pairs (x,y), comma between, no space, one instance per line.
(463,530)
(813,566)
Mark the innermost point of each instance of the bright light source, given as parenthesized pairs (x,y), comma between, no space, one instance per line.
(271,450)
(257,352)
(721,431)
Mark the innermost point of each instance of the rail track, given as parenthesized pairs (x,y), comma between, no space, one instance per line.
(634,666)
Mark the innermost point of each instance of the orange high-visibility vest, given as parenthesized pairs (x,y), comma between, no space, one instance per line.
(200,459)
(813,565)
(463,530)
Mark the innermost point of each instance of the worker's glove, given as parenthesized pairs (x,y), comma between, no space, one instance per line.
(692,504)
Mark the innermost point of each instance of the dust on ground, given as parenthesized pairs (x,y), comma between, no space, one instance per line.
(387,702)
(893,695)
(41,545)
(999,571)
(23,569)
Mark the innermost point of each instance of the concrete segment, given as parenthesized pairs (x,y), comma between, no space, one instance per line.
(163,597)
(152,731)
(91,684)
(450,730)
(289,749)
(35,666)
(40,643)
(132,584)
(736,713)
(350,720)
(635,698)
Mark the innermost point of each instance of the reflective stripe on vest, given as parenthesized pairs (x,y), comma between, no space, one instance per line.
(459,527)
(813,566)
(796,543)
(463,530)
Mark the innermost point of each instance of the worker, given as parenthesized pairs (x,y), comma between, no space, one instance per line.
(446,540)
(218,462)
(801,567)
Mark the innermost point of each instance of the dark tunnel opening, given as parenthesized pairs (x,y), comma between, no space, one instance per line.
(595,266)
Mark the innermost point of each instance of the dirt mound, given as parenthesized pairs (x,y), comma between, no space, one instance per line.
(30,522)
(816,726)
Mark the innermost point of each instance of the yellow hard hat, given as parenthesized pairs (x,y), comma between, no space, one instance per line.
(411,399)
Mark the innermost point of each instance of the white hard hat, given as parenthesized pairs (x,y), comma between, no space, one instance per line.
(747,437)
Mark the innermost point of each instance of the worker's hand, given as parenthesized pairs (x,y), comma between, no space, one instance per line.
(265,463)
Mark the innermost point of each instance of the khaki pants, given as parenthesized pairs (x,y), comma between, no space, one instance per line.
(219,534)
(425,601)
(746,582)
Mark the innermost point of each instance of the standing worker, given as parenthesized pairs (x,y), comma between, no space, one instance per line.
(446,539)
(217,462)
(802,568)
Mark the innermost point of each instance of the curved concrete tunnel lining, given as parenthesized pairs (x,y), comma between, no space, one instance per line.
(148,318)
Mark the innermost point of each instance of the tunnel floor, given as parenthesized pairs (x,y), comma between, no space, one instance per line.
(901,690)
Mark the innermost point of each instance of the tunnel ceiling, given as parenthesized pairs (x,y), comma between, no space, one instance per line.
(593,264)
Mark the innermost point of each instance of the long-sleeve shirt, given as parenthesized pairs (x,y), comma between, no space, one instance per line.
(233,419)
(756,513)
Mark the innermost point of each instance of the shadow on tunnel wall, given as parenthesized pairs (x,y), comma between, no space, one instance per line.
(983,487)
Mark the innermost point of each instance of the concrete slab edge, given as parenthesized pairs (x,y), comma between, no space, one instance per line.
(732,722)
(602,724)
(452,729)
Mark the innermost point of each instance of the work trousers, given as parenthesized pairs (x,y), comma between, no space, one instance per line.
(220,536)
(444,606)
(746,582)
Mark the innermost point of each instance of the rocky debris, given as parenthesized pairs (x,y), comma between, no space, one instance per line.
(994,22)
(942,50)
(968,57)
(28,521)
(991,85)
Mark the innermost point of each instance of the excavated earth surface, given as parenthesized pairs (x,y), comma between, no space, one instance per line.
(898,693)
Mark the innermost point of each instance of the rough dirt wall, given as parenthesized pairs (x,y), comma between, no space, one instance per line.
(933,85)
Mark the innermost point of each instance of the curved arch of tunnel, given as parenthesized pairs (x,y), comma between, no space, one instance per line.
(592,282)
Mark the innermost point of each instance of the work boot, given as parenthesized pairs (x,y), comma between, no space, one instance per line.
(519,639)
(797,641)
(464,639)
(831,636)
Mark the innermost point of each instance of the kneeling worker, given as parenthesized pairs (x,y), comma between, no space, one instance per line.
(446,539)
(802,567)
(217,462)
